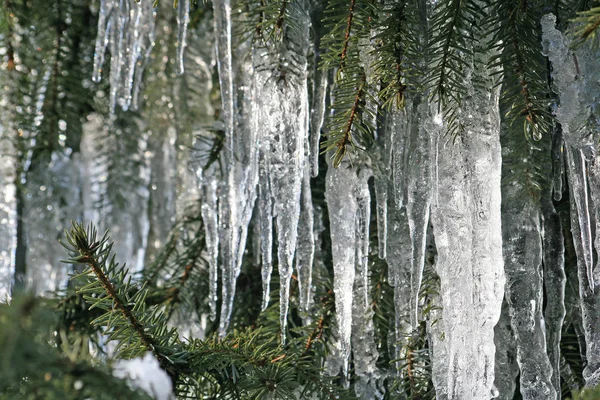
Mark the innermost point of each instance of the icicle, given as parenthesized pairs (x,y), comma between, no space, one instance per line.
(554,284)
(8,213)
(363,198)
(127,30)
(579,185)
(522,239)
(418,198)
(305,250)
(381,196)
(211,231)
(590,307)
(382,172)
(265,210)
(398,123)
(228,208)
(437,348)
(146,46)
(398,259)
(364,349)
(132,50)
(102,38)
(183,18)
(118,50)
(342,206)
(280,120)
(468,236)
(575,79)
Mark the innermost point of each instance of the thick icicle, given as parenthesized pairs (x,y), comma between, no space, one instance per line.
(524,290)
(468,236)
(342,205)
(364,349)
(183,18)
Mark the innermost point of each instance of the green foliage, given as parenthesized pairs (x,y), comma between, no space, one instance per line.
(525,85)
(33,365)
(248,363)
(348,126)
(587,394)
(588,23)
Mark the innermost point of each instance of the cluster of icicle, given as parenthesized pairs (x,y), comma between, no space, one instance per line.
(127,29)
(265,160)
(428,187)
(576,78)
(420,177)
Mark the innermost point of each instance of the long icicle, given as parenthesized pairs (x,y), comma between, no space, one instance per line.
(418,197)
(467,229)
(342,206)
(227,209)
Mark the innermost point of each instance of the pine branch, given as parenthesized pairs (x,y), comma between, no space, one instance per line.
(347,35)
(396,54)
(111,291)
(449,50)
(524,87)
(347,123)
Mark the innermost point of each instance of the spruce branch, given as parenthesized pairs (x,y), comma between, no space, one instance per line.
(349,120)
(524,86)
(125,317)
(347,35)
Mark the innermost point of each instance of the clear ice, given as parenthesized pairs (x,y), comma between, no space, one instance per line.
(575,79)
(468,236)
(126,29)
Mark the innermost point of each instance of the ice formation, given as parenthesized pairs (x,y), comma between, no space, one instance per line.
(7,217)
(126,28)
(340,194)
(183,18)
(468,237)
(280,120)
(575,78)
(423,181)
